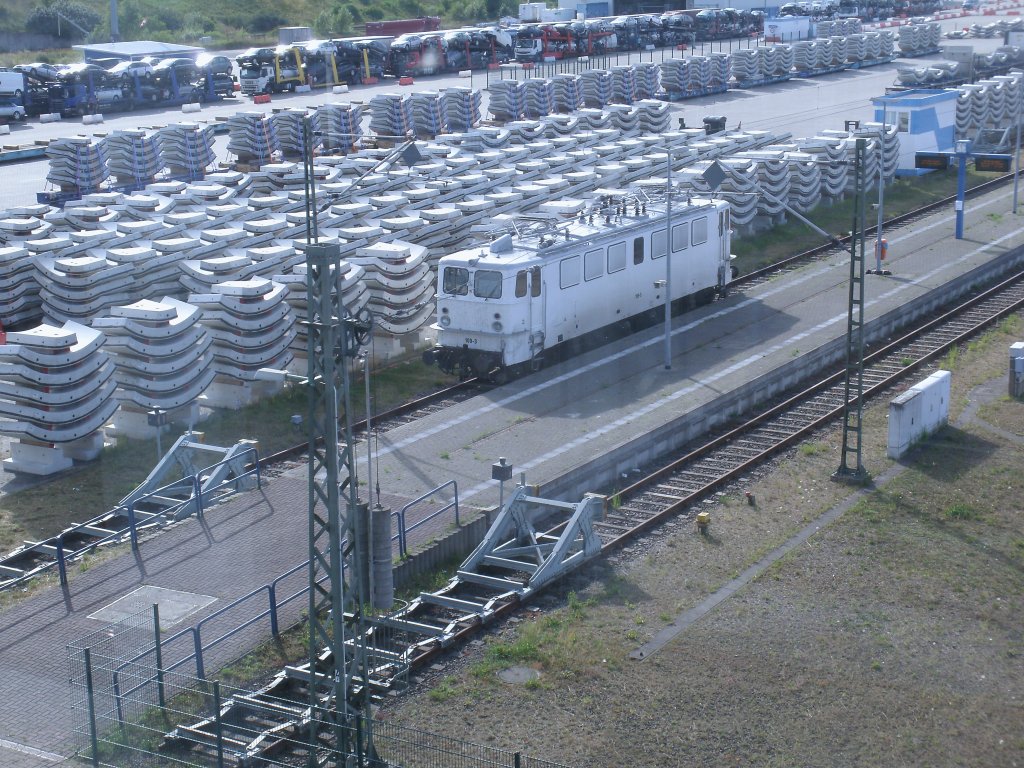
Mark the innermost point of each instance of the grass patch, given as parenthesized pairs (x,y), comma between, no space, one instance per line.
(961,512)
(812,449)
(549,643)
(444,690)
(91,489)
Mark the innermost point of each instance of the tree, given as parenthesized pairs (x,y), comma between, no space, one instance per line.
(65,19)
(334,21)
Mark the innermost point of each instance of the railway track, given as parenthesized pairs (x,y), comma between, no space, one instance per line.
(112,527)
(35,558)
(495,582)
(758,276)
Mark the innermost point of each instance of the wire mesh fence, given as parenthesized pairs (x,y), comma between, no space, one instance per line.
(128,711)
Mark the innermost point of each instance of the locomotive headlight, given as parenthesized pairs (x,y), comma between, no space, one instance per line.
(496,326)
(445,321)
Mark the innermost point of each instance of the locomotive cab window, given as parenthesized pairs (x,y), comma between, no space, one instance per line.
(569,272)
(456,281)
(593,264)
(680,237)
(535,281)
(616,257)
(700,230)
(521,284)
(487,284)
(638,250)
(659,243)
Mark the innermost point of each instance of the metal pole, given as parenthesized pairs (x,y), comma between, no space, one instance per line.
(668,262)
(961,188)
(219,724)
(369,426)
(371,588)
(91,699)
(159,655)
(159,448)
(881,198)
(1016,157)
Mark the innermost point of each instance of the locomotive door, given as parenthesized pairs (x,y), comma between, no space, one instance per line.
(537,300)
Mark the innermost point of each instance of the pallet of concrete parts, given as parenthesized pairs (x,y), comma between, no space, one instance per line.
(59,198)
(763,81)
(919,54)
(694,94)
(871,62)
(822,71)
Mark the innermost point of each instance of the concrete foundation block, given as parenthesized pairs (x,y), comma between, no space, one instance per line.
(235,395)
(132,422)
(36,459)
(86,448)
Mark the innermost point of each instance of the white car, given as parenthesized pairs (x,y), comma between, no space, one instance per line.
(128,69)
(39,70)
(12,112)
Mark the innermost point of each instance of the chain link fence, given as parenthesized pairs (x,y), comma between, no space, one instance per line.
(129,710)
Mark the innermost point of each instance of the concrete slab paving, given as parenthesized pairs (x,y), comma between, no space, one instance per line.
(174,605)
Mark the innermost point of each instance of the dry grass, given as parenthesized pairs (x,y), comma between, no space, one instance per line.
(892,638)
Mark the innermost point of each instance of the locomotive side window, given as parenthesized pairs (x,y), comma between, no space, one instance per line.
(569,272)
(700,230)
(487,284)
(535,281)
(680,237)
(616,257)
(593,264)
(521,284)
(638,250)
(659,243)
(456,281)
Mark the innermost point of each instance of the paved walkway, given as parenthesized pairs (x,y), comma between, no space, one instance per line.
(234,549)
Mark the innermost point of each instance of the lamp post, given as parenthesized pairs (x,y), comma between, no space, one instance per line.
(1016,157)
(881,200)
(961,184)
(668,261)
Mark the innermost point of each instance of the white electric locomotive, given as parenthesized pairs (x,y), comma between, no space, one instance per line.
(549,284)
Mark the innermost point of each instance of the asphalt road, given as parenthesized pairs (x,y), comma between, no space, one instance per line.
(803,106)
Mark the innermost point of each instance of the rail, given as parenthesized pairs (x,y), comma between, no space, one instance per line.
(978,189)
(61,555)
(199,648)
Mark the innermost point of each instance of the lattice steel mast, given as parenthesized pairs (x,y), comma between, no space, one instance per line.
(851,465)
(333,338)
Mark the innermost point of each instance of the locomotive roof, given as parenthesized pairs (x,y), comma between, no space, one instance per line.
(520,240)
